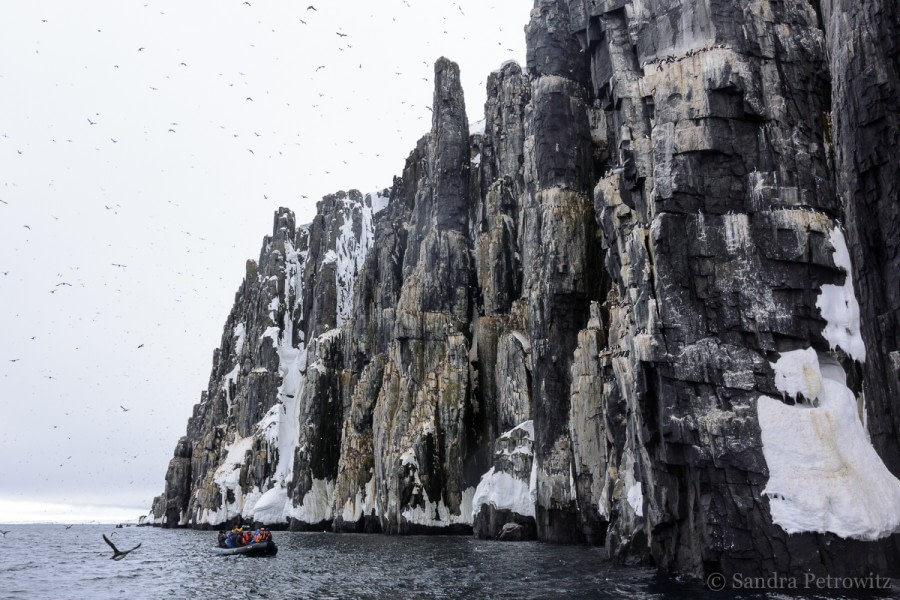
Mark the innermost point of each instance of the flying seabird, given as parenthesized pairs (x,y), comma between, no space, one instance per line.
(124,409)
(341,34)
(68,526)
(311,7)
(91,122)
(4,532)
(118,554)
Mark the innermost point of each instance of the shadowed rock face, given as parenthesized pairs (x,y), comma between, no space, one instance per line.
(564,326)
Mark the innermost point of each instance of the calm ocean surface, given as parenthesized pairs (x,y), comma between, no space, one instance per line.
(49,561)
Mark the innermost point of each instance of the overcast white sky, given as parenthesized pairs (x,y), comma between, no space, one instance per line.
(144,147)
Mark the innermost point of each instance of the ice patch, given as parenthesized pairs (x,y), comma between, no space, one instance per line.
(274,305)
(379,201)
(271,507)
(503,492)
(838,306)
(824,475)
(226,477)
(636,499)
(240,332)
(409,458)
(272,333)
(362,505)
(350,253)
(438,515)
(797,372)
(317,503)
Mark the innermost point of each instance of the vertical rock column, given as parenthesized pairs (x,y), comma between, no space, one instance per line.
(864,53)
(562,260)
(502,368)
(721,221)
(422,410)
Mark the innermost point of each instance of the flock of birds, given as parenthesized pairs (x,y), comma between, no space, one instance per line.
(672,58)
(95,128)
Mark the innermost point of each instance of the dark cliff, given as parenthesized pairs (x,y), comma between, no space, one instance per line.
(653,306)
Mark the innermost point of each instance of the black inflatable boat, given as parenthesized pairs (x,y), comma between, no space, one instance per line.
(267,548)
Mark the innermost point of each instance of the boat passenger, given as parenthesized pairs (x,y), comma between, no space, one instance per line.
(222,537)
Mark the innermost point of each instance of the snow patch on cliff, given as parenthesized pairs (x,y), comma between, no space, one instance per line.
(271,506)
(439,515)
(226,479)
(362,505)
(824,475)
(838,305)
(503,492)
(240,332)
(350,252)
(635,498)
(797,372)
(379,201)
(317,503)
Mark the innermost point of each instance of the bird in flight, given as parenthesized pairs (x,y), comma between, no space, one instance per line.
(141,346)
(118,554)
(320,68)
(341,34)
(91,122)
(311,7)
(4,532)
(124,409)
(68,526)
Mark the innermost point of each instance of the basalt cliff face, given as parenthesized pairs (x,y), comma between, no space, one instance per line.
(652,306)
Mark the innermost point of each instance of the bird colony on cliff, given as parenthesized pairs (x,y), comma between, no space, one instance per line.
(651,306)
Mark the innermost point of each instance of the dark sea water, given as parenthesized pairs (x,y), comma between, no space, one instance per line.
(48,561)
